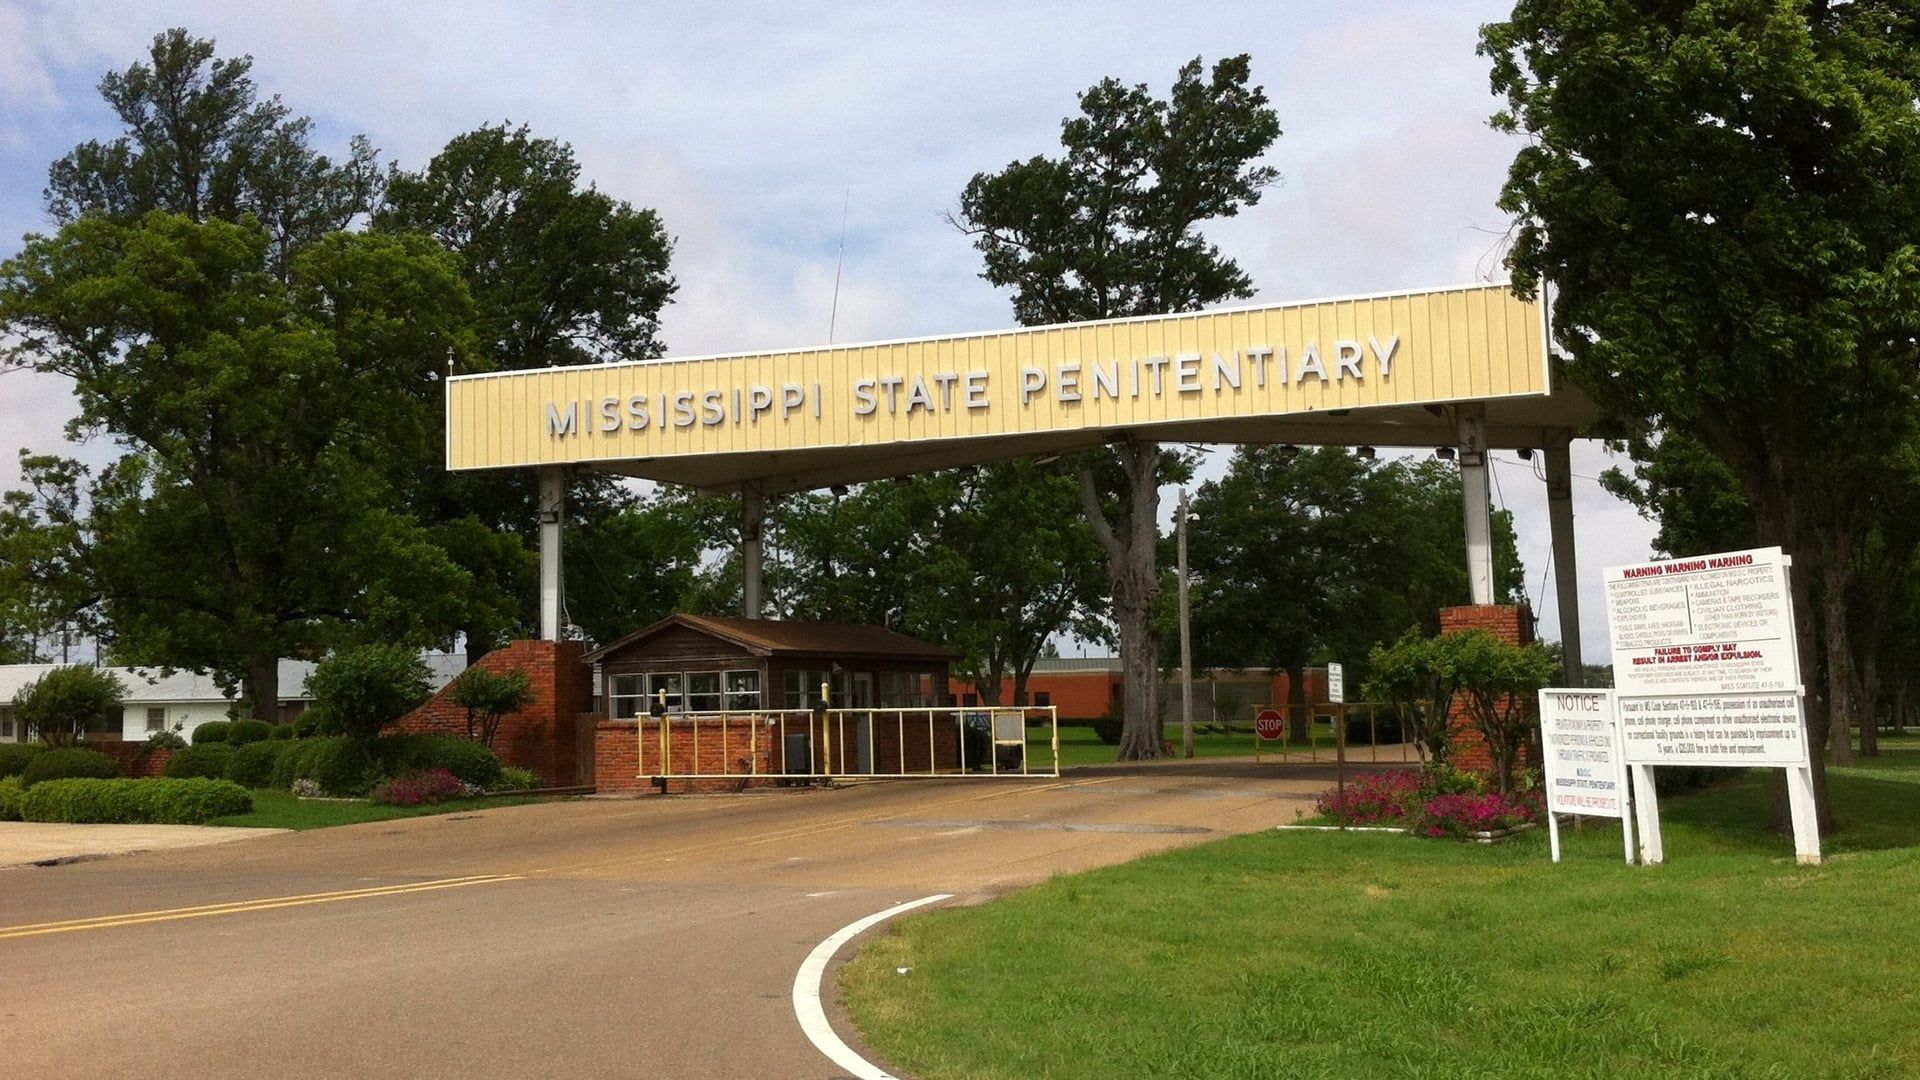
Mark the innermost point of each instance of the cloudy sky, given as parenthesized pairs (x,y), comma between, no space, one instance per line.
(751,127)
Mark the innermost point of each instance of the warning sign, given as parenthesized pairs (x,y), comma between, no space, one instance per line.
(1718,624)
(1759,729)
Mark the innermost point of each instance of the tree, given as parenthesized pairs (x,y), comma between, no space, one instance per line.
(1724,195)
(254,514)
(199,142)
(1500,684)
(1305,556)
(560,274)
(361,690)
(488,695)
(62,705)
(1407,676)
(1109,229)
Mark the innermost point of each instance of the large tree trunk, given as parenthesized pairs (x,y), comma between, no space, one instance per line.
(262,687)
(1842,702)
(1133,571)
(1870,696)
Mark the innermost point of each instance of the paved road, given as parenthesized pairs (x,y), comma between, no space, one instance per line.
(653,938)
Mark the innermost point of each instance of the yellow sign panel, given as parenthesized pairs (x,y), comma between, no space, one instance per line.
(1474,343)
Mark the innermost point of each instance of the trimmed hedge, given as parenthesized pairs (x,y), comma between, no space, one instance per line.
(400,755)
(283,731)
(253,764)
(15,756)
(137,802)
(69,762)
(247,731)
(208,761)
(338,764)
(12,793)
(213,731)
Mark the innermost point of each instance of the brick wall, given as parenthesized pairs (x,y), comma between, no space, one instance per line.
(132,758)
(1511,624)
(544,736)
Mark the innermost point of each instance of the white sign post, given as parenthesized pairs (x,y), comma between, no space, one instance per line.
(1706,669)
(1336,684)
(1586,771)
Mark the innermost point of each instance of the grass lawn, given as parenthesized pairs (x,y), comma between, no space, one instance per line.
(284,810)
(1365,955)
(1080,746)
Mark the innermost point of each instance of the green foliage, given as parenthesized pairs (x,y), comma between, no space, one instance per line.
(490,695)
(12,794)
(282,731)
(309,723)
(515,778)
(163,740)
(68,762)
(213,731)
(340,765)
(249,731)
(1500,684)
(366,688)
(138,802)
(472,762)
(252,764)
(15,756)
(1304,556)
(1412,675)
(203,760)
(66,702)
(1109,229)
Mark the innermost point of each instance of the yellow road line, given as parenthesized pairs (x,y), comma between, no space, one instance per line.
(139,918)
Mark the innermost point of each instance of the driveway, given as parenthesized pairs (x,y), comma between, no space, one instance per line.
(653,937)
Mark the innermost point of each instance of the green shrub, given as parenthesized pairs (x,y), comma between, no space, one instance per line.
(283,731)
(247,731)
(12,793)
(139,802)
(515,778)
(68,763)
(366,688)
(208,761)
(398,755)
(66,702)
(1107,729)
(307,724)
(338,764)
(253,764)
(213,731)
(15,756)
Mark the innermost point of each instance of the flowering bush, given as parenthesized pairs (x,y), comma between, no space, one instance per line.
(1382,798)
(429,786)
(307,789)
(1459,815)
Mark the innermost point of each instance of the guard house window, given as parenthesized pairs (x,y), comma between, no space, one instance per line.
(628,697)
(671,683)
(803,687)
(743,691)
(703,692)
(156,719)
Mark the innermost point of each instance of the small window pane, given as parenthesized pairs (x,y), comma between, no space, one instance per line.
(743,691)
(156,719)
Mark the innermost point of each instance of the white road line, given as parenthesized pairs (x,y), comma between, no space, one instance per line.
(806,991)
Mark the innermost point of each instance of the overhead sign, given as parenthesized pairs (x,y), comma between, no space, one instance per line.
(1336,684)
(1270,724)
(1475,343)
(1586,773)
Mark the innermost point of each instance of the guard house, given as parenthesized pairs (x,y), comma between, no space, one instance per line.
(738,697)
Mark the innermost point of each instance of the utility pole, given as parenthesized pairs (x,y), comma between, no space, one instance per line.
(1186,636)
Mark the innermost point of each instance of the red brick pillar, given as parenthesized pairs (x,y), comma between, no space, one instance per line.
(545,735)
(1511,624)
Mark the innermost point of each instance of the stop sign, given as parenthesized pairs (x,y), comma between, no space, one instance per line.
(1270,724)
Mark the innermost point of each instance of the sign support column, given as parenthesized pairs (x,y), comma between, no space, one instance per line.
(1476,502)
(752,517)
(1565,579)
(553,509)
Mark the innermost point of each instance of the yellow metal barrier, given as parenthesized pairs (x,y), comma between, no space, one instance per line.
(883,744)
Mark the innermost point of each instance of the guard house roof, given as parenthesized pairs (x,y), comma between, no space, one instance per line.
(771,637)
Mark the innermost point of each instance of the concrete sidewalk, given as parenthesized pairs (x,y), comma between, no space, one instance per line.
(24,843)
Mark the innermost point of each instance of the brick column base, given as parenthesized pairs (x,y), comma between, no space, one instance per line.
(545,736)
(1511,624)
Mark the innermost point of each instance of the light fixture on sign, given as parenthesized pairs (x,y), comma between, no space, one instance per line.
(1444,453)
(1366,453)
(1526,453)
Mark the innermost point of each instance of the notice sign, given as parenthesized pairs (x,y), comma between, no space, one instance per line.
(1585,770)
(1756,729)
(1336,684)
(1716,625)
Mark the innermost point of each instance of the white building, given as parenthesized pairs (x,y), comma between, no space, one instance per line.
(153,701)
